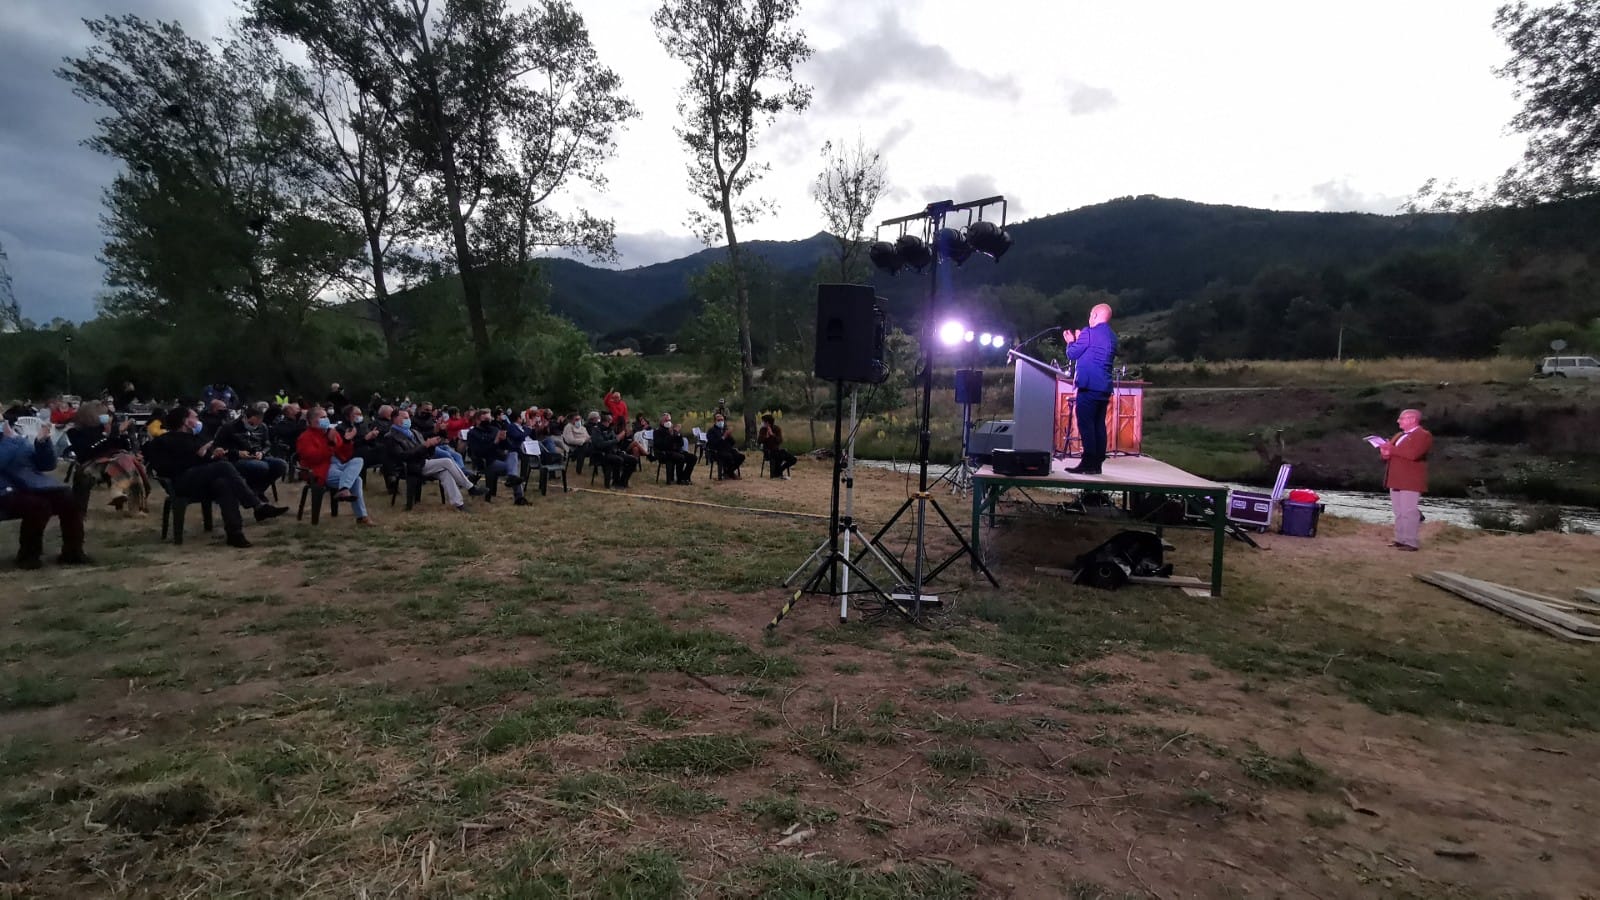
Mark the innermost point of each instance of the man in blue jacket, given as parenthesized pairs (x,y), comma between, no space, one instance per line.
(1093,349)
(28,494)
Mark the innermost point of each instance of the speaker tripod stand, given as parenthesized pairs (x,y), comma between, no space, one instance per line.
(832,558)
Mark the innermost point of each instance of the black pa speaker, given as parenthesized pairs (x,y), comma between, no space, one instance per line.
(969,386)
(851,330)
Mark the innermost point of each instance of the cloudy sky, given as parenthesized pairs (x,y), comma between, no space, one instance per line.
(1054,103)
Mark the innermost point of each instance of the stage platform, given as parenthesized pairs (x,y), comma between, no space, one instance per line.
(1120,474)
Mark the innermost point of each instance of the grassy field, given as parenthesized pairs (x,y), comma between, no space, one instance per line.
(578,699)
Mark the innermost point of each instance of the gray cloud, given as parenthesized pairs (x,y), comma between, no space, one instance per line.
(1338,195)
(1086,99)
(50,185)
(635,249)
(851,78)
(976,186)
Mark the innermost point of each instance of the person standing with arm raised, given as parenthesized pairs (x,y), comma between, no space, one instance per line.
(1093,349)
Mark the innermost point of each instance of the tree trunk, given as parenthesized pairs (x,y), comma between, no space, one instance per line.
(444,142)
(380,299)
(741,302)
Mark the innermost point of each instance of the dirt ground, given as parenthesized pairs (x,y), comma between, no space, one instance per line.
(1330,728)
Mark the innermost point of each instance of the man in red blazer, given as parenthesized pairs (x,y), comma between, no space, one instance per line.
(1406,476)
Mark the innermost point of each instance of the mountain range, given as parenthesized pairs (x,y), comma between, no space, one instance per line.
(1167,249)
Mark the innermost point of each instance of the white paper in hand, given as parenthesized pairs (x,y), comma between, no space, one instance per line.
(1374,440)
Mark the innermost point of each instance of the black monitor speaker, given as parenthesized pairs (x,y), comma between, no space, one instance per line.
(969,386)
(851,332)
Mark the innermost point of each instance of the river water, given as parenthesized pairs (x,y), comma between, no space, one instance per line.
(1363,506)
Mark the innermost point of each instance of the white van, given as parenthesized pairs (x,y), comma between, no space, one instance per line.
(1570,367)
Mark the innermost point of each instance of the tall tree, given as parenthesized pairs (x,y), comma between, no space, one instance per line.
(213,219)
(464,78)
(10,313)
(1555,62)
(741,56)
(368,180)
(847,189)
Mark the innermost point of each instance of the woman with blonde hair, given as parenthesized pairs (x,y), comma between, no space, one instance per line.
(104,451)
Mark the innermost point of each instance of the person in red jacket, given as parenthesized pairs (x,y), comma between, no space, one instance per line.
(328,452)
(615,406)
(1406,476)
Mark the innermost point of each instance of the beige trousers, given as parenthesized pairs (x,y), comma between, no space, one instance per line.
(1407,517)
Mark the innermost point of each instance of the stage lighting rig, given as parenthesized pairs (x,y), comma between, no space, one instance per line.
(937,242)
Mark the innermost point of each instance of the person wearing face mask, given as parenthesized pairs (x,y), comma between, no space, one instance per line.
(667,446)
(493,444)
(607,440)
(104,451)
(328,452)
(415,455)
(575,438)
(722,448)
(199,470)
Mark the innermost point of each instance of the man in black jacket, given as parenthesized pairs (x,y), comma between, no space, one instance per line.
(286,431)
(722,449)
(667,446)
(215,416)
(493,445)
(247,441)
(199,470)
(416,456)
(608,453)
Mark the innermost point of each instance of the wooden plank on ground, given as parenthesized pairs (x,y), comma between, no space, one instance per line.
(1536,607)
(1469,593)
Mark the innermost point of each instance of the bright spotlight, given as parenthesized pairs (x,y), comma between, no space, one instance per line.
(968,337)
(985,338)
(950,333)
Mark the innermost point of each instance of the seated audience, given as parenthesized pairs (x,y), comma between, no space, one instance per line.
(104,450)
(721,447)
(28,494)
(199,470)
(286,431)
(328,452)
(61,412)
(369,434)
(668,448)
(493,443)
(215,416)
(575,437)
(248,444)
(416,454)
(155,427)
(606,444)
(770,437)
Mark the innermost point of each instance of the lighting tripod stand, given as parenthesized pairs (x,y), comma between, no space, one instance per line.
(836,565)
(957,246)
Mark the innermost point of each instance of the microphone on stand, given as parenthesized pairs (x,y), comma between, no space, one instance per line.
(1020,344)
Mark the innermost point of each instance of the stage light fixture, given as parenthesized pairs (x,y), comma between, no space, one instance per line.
(950,333)
(985,338)
(913,252)
(953,244)
(884,257)
(989,239)
(968,337)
